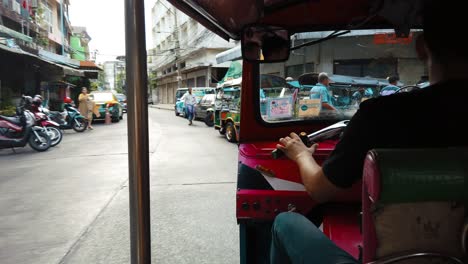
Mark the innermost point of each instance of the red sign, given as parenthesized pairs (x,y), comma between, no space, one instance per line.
(384,38)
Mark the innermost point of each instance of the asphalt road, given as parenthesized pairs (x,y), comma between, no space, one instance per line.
(70,204)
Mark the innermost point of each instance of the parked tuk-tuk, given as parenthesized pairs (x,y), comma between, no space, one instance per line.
(227,104)
(227,109)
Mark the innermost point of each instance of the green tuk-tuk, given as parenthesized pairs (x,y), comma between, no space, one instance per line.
(227,109)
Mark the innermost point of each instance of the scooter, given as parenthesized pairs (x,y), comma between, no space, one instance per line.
(20,130)
(50,127)
(70,118)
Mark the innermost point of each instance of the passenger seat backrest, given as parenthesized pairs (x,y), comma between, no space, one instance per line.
(414,201)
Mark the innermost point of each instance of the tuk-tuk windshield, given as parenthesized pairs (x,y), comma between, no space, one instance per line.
(328,81)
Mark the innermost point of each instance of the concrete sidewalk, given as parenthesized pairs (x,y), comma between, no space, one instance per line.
(163,106)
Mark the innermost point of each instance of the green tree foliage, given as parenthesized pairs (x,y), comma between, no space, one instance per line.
(120,82)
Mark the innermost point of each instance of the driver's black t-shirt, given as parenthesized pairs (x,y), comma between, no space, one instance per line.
(430,117)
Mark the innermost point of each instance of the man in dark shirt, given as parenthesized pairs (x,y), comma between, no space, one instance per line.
(429,117)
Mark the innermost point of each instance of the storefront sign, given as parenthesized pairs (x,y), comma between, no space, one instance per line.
(384,38)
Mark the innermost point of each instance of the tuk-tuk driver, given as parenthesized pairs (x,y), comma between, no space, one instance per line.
(320,91)
(394,121)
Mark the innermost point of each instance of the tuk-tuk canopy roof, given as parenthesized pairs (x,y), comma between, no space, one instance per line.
(351,80)
(227,18)
(345,80)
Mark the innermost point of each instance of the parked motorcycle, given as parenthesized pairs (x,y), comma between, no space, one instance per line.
(20,130)
(70,118)
(50,127)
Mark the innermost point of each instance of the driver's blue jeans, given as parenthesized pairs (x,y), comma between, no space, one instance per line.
(297,240)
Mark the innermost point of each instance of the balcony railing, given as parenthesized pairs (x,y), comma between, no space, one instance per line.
(15,12)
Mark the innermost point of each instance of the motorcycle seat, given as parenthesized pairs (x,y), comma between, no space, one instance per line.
(14,119)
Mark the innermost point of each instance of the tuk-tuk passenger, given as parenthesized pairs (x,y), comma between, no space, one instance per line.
(418,119)
(320,91)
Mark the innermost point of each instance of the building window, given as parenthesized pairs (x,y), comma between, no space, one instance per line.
(381,68)
(201,81)
(191,82)
(48,18)
(182,65)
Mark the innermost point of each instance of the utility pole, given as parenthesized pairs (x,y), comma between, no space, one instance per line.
(177,47)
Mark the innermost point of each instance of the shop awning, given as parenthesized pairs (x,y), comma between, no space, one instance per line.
(6,32)
(16,50)
(229,55)
(66,70)
(89,65)
(90,69)
(49,56)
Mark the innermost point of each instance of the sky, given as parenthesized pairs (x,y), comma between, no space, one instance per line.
(104,20)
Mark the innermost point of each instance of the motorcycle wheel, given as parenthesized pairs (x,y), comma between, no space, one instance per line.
(79,125)
(55,135)
(41,143)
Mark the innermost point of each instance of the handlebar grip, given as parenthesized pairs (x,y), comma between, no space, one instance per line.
(277,153)
(304,138)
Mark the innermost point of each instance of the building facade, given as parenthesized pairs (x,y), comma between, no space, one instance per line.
(35,50)
(356,54)
(79,44)
(114,72)
(183,53)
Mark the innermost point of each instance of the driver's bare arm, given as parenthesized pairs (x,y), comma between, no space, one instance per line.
(313,178)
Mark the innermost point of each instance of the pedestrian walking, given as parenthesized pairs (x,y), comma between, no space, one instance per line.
(189,101)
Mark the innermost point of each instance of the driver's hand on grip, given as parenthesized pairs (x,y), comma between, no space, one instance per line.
(315,182)
(294,148)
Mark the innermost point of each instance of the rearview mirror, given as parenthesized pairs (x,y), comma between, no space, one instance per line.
(265,44)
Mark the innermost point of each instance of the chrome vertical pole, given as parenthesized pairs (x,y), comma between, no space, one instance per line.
(138,145)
